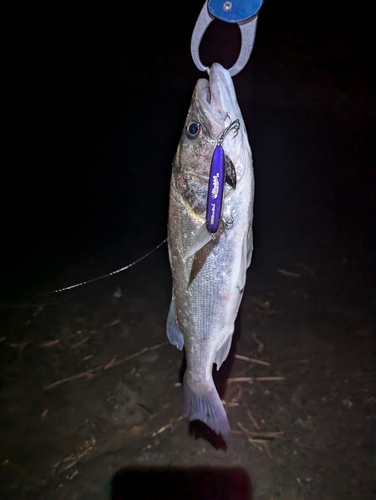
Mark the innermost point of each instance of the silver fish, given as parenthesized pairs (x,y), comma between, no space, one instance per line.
(208,270)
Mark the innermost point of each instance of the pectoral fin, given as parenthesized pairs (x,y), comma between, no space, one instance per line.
(201,238)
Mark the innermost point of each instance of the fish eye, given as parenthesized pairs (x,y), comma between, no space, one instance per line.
(193,130)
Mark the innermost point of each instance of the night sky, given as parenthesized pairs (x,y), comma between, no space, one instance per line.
(93,116)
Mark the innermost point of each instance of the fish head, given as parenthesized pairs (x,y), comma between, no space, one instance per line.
(213,107)
(214,103)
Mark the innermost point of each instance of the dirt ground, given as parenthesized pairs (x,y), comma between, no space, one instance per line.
(66,441)
(89,384)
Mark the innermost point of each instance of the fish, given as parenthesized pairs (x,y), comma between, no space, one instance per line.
(209,266)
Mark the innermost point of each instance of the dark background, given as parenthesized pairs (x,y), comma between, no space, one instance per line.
(93,116)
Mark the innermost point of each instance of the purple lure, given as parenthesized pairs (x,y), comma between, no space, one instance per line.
(217,178)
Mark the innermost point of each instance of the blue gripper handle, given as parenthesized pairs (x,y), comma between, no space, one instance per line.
(234,11)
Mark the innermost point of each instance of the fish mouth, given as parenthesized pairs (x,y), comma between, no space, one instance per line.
(217,99)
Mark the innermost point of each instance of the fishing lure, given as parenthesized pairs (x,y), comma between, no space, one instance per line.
(221,170)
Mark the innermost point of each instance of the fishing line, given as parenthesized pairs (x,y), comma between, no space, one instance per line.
(235,125)
(108,274)
(89,281)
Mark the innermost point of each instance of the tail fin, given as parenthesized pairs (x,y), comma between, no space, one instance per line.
(205,405)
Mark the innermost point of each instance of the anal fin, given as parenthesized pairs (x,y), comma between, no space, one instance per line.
(223,351)
(174,334)
(243,264)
